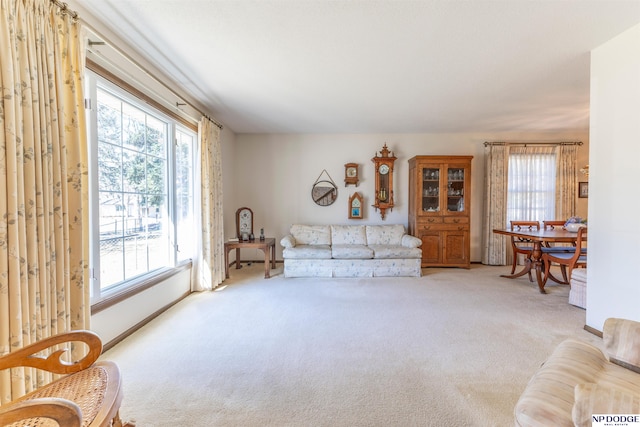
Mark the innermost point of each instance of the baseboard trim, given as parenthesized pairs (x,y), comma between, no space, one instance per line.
(594,331)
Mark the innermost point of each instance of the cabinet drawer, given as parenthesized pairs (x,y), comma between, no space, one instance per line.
(430,220)
(456,220)
(440,227)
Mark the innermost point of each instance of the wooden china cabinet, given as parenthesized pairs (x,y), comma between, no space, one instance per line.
(440,207)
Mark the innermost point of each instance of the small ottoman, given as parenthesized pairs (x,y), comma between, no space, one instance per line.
(578,291)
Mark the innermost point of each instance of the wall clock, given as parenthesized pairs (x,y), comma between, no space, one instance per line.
(355,206)
(244,223)
(351,174)
(384,180)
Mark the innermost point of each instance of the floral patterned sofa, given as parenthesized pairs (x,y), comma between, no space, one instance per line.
(350,251)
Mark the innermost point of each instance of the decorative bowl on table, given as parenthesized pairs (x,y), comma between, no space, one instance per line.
(574,226)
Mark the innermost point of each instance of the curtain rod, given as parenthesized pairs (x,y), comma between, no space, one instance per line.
(64,8)
(105,40)
(524,144)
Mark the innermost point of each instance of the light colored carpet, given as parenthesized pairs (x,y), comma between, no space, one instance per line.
(453,348)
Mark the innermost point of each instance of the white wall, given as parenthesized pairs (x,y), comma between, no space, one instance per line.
(274,175)
(614,230)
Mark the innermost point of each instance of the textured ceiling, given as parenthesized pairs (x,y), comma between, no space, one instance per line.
(367,66)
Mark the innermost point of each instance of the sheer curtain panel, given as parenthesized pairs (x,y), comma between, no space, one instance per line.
(43,173)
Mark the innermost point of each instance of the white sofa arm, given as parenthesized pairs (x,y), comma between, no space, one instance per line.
(288,241)
(409,241)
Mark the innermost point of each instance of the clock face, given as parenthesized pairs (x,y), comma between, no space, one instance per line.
(355,203)
(384,169)
(351,172)
(245,221)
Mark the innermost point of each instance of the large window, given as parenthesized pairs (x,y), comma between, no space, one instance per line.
(531,188)
(142,191)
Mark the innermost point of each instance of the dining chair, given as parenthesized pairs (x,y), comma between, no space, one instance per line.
(574,258)
(558,247)
(521,245)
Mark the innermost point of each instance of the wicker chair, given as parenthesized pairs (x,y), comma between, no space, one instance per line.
(89,395)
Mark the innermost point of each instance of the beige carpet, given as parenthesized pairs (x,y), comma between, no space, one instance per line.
(453,348)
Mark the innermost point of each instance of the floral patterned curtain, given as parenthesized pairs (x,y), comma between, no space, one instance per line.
(494,246)
(209,265)
(566,180)
(44,200)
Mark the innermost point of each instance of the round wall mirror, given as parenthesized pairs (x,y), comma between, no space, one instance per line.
(324,193)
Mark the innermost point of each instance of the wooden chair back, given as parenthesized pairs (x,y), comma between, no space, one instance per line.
(552,224)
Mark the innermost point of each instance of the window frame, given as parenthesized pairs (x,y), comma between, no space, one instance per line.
(103,298)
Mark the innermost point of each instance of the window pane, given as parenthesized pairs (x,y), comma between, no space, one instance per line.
(185,234)
(156,137)
(109,119)
(110,167)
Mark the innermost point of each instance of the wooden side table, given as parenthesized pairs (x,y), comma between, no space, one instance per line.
(264,245)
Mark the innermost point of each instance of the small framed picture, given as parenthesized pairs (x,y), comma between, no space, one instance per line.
(583,190)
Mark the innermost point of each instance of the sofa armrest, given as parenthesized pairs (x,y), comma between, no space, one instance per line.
(288,241)
(409,241)
(621,338)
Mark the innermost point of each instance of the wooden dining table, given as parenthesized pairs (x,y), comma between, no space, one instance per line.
(538,238)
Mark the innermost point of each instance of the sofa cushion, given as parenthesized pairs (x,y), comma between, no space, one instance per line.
(394,251)
(311,234)
(308,252)
(591,399)
(348,235)
(351,252)
(385,234)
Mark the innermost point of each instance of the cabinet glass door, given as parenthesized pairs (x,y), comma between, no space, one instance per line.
(455,189)
(430,189)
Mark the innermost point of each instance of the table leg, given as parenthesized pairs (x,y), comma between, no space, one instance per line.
(273,256)
(536,257)
(534,263)
(226,263)
(525,270)
(266,262)
(238,264)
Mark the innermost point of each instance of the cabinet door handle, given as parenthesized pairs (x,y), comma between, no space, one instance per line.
(426,227)
(460,228)
(430,220)
(456,220)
